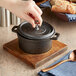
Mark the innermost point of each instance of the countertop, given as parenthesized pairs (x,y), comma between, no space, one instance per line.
(12,66)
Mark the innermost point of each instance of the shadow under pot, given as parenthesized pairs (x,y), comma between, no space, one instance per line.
(35,41)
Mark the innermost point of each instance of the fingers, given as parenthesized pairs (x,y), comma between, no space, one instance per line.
(35,11)
(38,9)
(29,19)
(36,15)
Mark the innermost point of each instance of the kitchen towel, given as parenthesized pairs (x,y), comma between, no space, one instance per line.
(65,69)
(70,17)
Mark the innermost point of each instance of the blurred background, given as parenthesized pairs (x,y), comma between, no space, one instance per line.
(7,18)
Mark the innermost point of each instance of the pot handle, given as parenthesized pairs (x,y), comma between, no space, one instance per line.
(14,29)
(55,36)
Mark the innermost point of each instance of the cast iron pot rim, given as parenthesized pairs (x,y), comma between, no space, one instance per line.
(35,37)
(32,39)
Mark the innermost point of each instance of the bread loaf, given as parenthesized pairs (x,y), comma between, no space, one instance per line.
(72,0)
(63,7)
(53,2)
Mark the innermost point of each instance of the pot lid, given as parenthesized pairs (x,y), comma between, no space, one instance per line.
(45,31)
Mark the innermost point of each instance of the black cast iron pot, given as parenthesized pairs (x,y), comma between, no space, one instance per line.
(35,41)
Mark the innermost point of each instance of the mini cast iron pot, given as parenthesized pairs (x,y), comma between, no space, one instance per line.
(35,41)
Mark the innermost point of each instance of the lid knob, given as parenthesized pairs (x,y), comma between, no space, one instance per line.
(37,26)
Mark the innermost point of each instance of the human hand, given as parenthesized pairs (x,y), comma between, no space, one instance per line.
(23,8)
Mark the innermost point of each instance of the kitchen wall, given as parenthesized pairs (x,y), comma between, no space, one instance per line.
(7,18)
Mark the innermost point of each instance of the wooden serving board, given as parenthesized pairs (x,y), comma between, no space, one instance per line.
(35,60)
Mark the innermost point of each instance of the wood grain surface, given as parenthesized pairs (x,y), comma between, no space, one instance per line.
(35,60)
